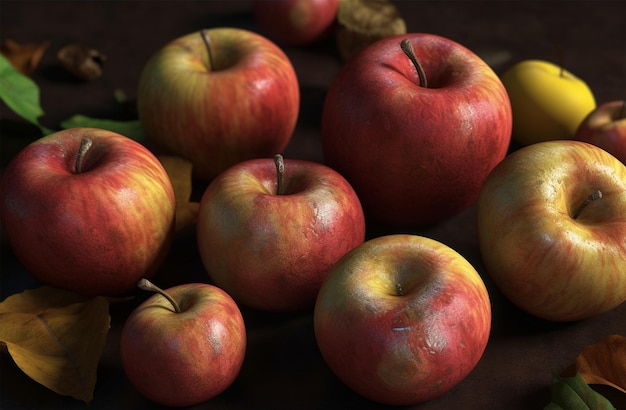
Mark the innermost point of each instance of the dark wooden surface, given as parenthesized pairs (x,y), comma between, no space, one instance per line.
(283,368)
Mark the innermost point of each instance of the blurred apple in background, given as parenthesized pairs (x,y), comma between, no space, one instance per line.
(605,127)
(184,345)
(548,102)
(270,240)
(88,210)
(552,229)
(219,98)
(295,22)
(402,319)
(416,148)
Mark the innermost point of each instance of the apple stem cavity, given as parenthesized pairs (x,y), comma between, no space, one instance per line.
(207,43)
(85,145)
(145,284)
(595,195)
(280,171)
(407,47)
(399,290)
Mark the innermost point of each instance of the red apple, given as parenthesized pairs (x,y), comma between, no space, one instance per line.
(605,127)
(295,22)
(402,319)
(185,345)
(552,229)
(88,210)
(219,97)
(269,239)
(416,148)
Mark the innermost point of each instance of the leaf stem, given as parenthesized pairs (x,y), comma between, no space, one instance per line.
(407,47)
(145,284)
(595,195)
(85,145)
(280,170)
(207,43)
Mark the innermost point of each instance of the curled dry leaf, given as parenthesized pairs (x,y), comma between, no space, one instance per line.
(603,363)
(362,22)
(82,61)
(24,57)
(180,172)
(56,337)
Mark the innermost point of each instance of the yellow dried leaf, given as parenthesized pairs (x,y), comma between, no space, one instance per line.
(24,57)
(180,172)
(362,22)
(56,337)
(603,363)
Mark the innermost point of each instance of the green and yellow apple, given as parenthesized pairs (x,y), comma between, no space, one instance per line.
(548,102)
(88,210)
(402,319)
(552,229)
(218,97)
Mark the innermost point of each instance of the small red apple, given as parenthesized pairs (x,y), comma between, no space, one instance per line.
(295,22)
(415,123)
(218,97)
(184,345)
(268,233)
(605,127)
(401,319)
(88,210)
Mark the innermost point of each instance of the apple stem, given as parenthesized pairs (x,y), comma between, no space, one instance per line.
(399,291)
(145,284)
(85,145)
(207,43)
(407,47)
(595,195)
(280,170)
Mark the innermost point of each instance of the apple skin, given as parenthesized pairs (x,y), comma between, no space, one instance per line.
(408,347)
(272,252)
(546,262)
(94,233)
(546,105)
(183,359)
(246,107)
(605,127)
(295,22)
(415,155)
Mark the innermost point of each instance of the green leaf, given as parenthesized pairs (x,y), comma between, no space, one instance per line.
(20,94)
(572,393)
(131,129)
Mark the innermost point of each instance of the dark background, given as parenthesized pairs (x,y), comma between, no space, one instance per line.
(283,368)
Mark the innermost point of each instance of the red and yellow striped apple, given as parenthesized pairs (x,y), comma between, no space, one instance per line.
(269,233)
(415,146)
(218,97)
(88,210)
(552,229)
(402,319)
(605,127)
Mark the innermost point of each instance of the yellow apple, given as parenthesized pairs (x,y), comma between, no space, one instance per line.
(547,102)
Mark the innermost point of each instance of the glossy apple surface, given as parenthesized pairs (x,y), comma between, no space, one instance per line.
(548,103)
(96,230)
(186,358)
(272,252)
(243,106)
(605,127)
(546,256)
(415,155)
(295,22)
(402,319)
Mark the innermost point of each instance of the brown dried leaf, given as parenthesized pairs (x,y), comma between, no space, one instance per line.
(56,337)
(24,57)
(180,172)
(603,363)
(362,22)
(82,61)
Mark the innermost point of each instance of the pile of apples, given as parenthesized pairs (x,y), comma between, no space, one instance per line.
(415,129)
